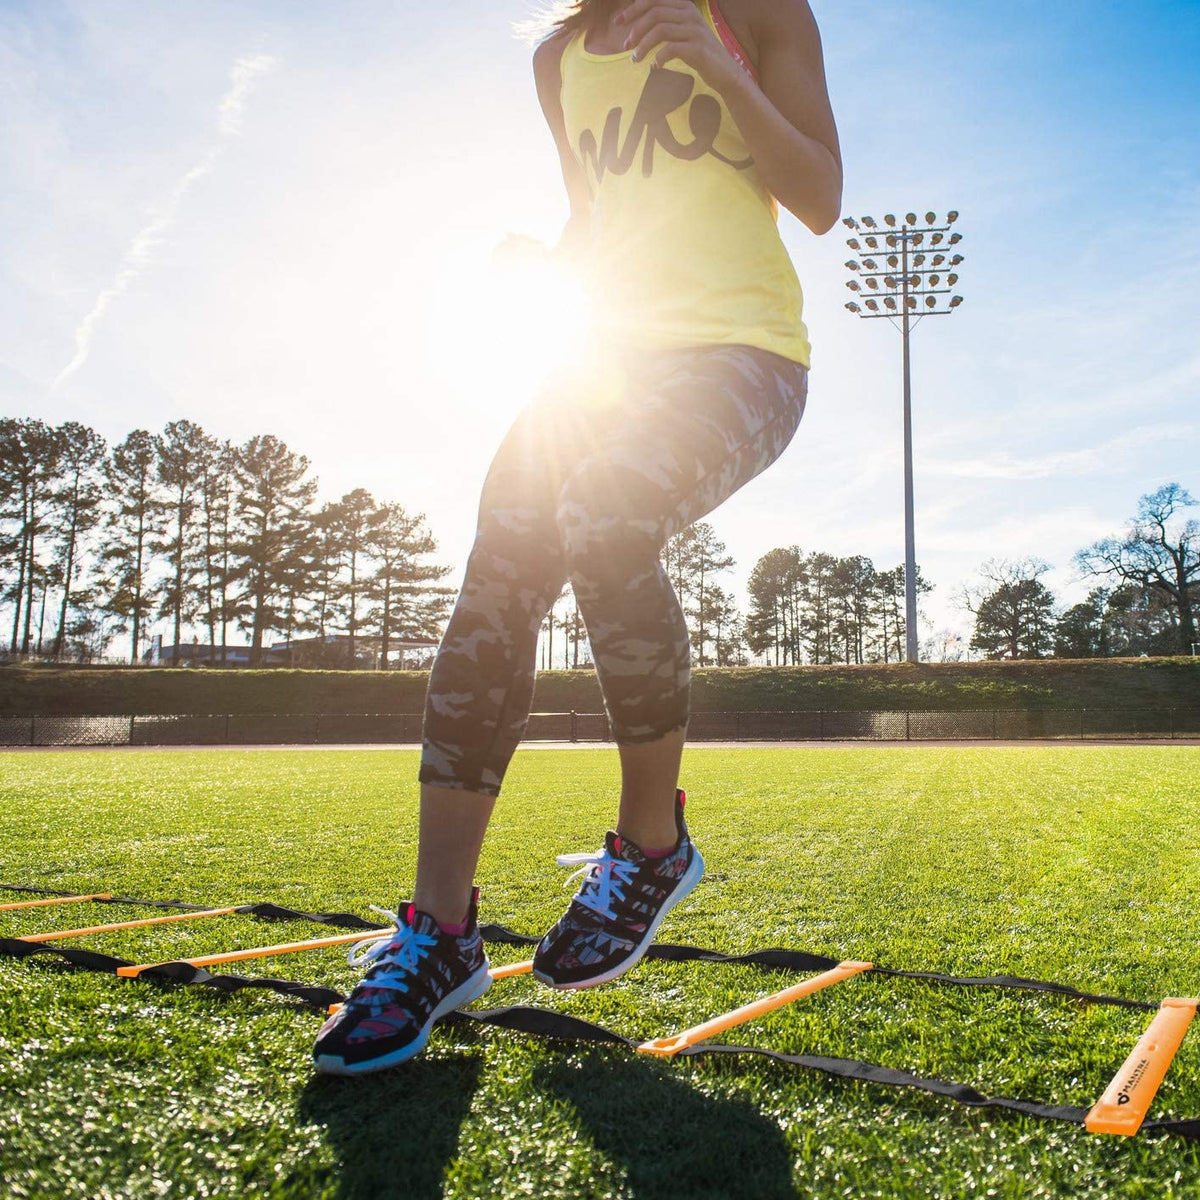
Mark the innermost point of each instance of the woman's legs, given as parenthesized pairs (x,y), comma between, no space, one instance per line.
(594,494)
(481,685)
(700,424)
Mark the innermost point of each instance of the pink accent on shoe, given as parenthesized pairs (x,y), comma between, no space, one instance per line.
(660,853)
(454,930)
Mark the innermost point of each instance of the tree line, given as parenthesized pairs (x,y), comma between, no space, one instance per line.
(1146,603)
(208,535)
(184,527)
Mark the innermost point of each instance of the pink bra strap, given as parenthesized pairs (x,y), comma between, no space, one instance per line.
(730,42)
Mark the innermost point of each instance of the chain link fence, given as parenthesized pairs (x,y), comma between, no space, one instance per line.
(802,726)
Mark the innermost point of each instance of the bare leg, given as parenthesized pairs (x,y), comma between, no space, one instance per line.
(649,776)
(453,823)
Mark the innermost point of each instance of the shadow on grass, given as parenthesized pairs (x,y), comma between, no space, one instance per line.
(671,1138)
(393,1133)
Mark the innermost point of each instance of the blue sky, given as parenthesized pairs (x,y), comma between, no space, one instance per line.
(279,217)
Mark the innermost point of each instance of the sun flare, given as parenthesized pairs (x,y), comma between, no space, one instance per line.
(500,327)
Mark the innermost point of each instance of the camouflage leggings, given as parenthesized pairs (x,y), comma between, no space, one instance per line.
(591,494)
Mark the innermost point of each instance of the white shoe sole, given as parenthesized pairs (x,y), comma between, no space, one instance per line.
(472,989)
(687,881)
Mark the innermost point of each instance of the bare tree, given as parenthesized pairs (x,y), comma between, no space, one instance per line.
(1160,552)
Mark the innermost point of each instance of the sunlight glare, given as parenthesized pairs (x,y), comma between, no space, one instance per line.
(501,324)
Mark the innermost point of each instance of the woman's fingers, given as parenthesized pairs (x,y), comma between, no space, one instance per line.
(665,31)
(649,14)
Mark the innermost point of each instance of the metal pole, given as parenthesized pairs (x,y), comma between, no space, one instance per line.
(910,545)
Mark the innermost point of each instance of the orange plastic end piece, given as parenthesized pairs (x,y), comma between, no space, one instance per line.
(55,900)
(55,934)
(1125,1102)
(210,960)
(668,1046)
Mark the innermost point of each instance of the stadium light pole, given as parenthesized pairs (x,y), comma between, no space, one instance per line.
(917,259)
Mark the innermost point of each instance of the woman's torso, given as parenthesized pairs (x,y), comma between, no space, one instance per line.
(684,249)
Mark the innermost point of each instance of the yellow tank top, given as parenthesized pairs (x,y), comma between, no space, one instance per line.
(683,247)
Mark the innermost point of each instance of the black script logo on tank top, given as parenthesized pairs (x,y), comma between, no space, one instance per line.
(665,92)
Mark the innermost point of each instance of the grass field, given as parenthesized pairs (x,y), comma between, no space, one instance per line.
(1077,864)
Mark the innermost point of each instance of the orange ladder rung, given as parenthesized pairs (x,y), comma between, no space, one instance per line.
(55,900)
(56,934)
(667,1046)
(210,960)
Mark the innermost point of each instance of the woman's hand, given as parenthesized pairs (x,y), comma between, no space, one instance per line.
(672,29)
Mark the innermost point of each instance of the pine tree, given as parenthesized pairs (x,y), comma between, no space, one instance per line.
(218,492)
(135,516)
(184,454)
(352,518)
(402,590)
(274,497)
(773,622)
(30,452)
(79,499)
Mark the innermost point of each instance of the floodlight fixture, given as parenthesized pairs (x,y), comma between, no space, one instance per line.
(911,284)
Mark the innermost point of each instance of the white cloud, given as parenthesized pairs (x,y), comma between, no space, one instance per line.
(1106,458)
(243,75)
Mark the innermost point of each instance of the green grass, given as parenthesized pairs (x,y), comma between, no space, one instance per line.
(1071,863)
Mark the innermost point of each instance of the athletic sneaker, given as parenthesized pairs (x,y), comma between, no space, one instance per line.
(617,911)
(417,975)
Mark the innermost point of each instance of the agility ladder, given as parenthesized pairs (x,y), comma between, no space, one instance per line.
(1120,1110)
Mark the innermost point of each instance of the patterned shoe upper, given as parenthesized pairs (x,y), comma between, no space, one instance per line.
(410,972)
(607,922)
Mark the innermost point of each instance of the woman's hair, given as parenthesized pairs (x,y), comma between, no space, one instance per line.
(566,16)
